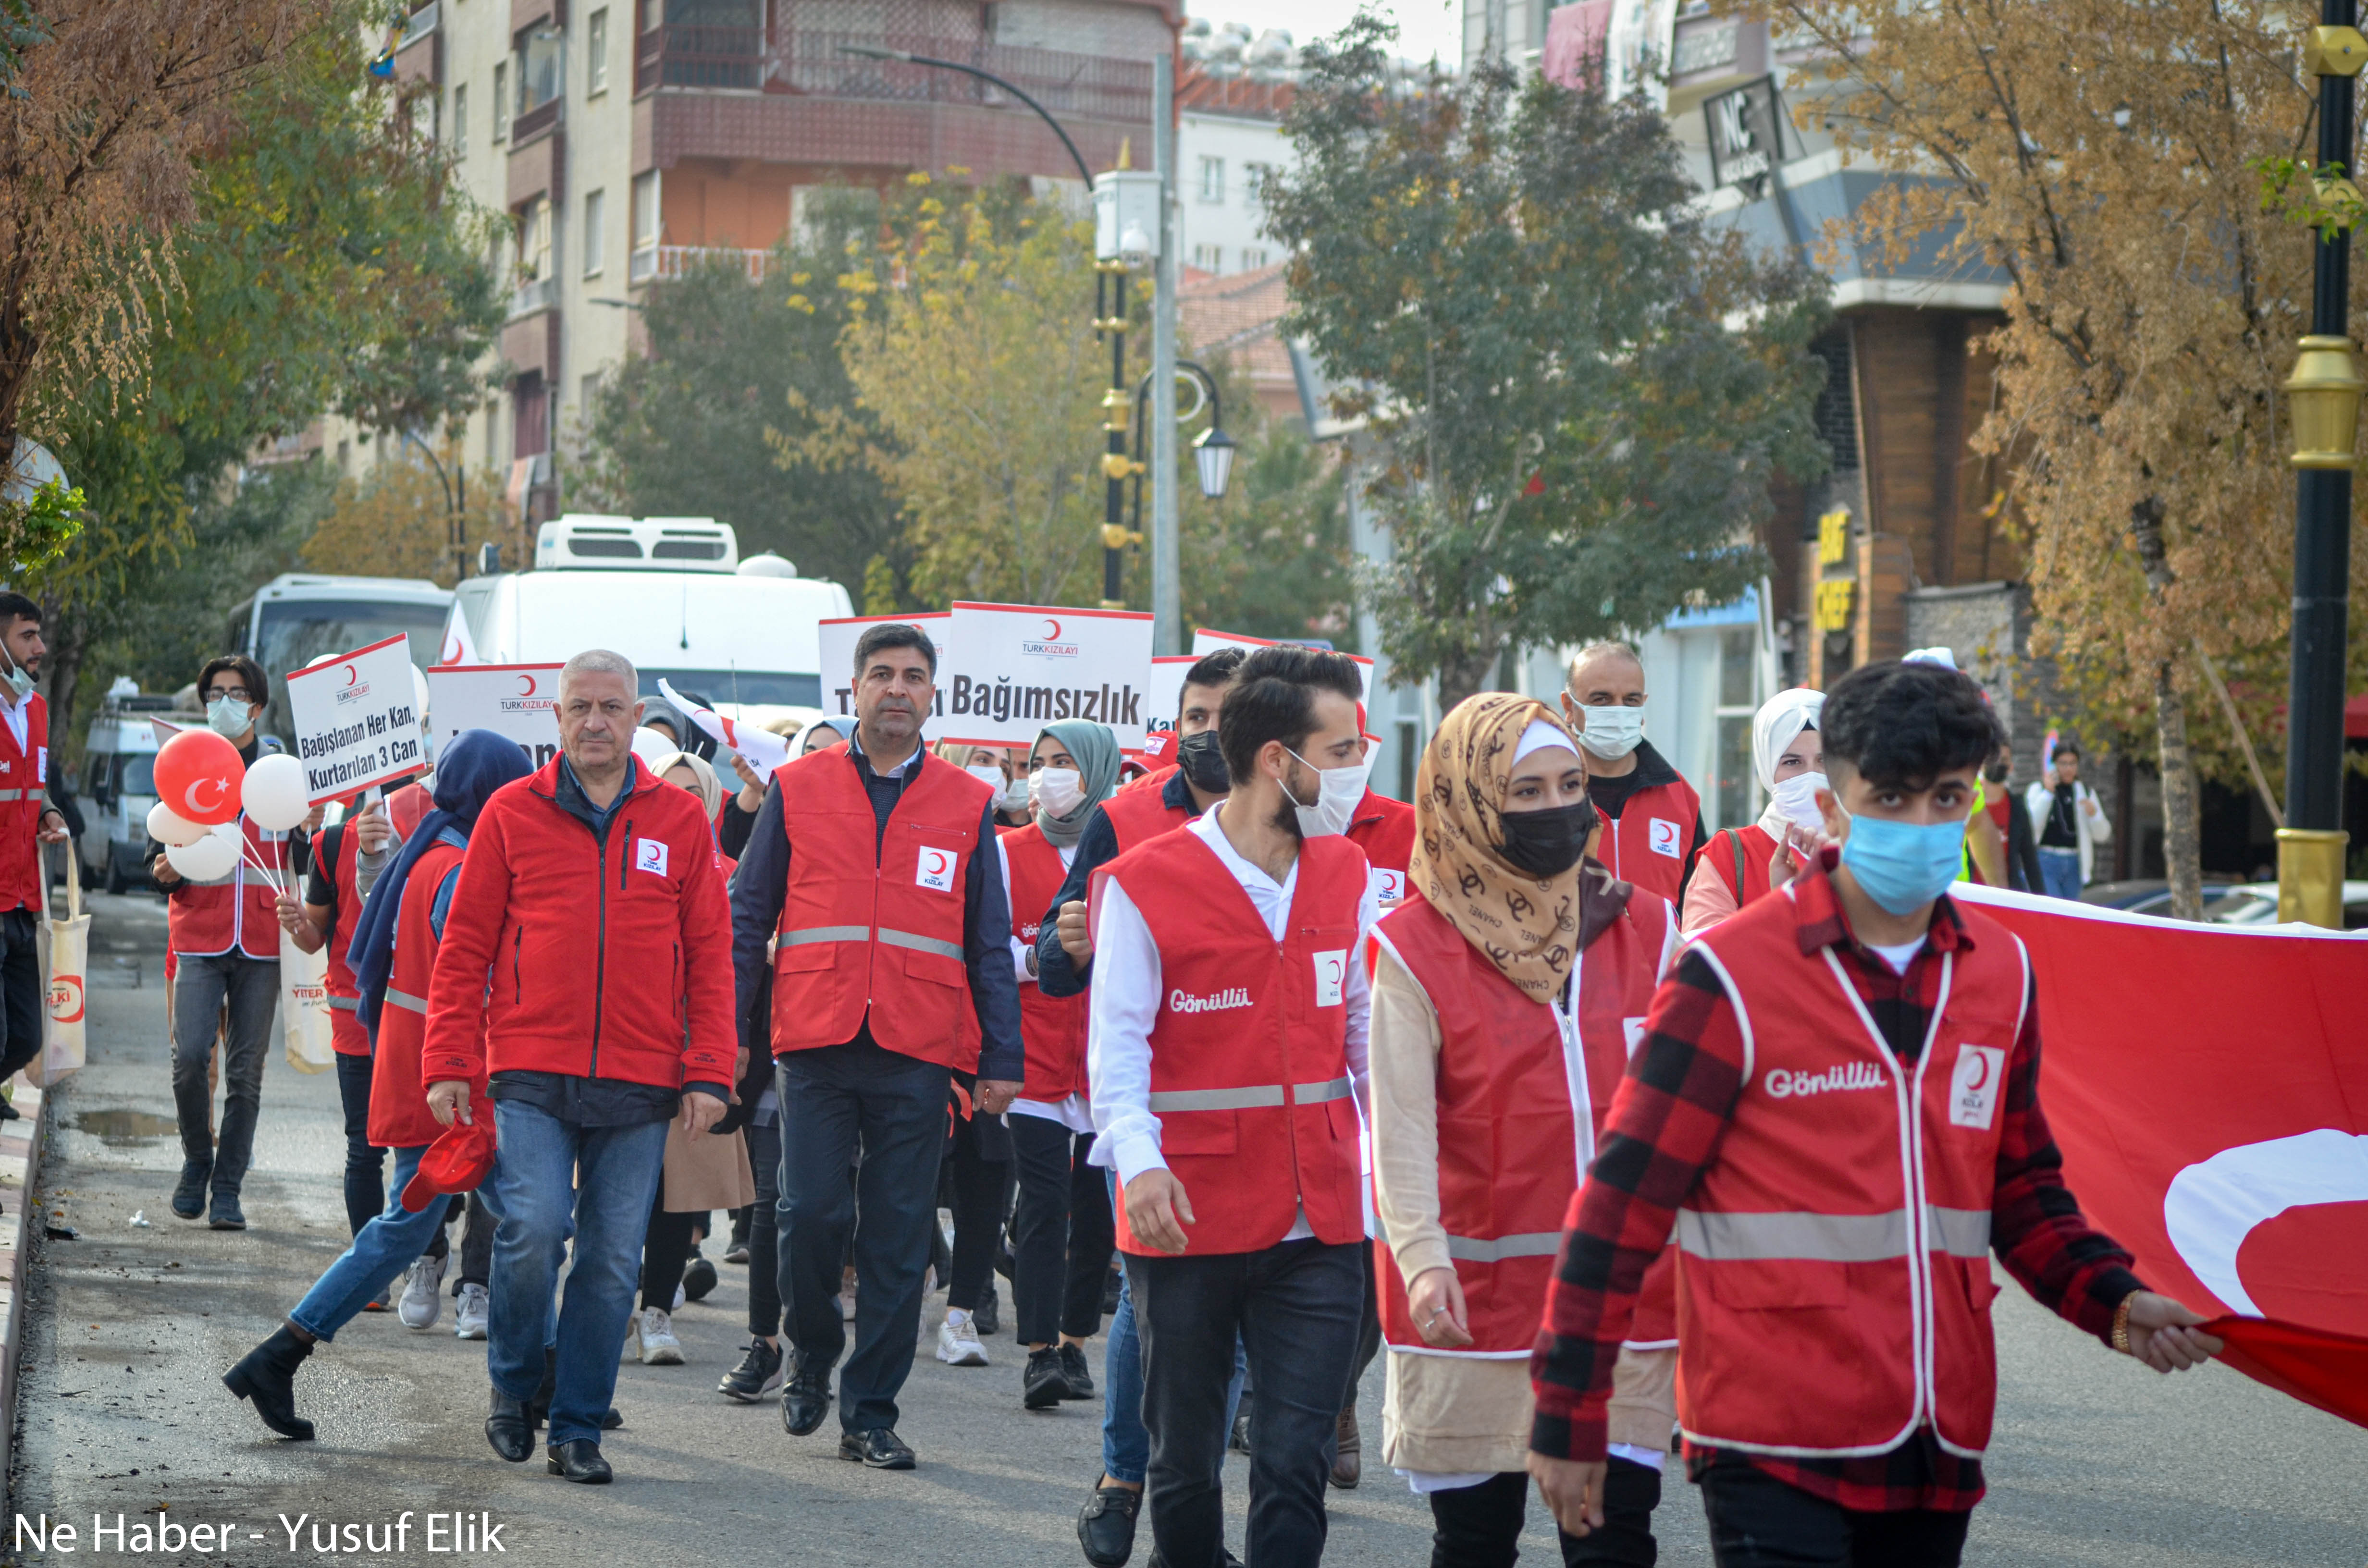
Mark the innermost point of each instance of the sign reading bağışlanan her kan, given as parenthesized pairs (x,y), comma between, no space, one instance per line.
(517,702)
(356,720)
(1012,669)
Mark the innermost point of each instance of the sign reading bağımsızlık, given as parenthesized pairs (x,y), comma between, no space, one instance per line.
(1204,641)
(835,641)
(356,720)
(519,702)
(1012,669)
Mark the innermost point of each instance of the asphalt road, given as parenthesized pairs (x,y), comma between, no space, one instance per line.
(129,1326)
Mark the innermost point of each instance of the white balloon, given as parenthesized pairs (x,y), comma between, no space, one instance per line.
(651,744)
(169,828)
(209,859)
(273,792)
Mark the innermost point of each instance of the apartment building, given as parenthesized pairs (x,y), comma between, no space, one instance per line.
(625,138)
(1231,95)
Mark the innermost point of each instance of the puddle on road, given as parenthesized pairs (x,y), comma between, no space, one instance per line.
(124,1126)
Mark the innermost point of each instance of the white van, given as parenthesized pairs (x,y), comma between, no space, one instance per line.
(299,616)
(118,783)
(672,595)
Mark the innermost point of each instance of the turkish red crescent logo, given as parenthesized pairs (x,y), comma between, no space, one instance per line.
(528,689)
(1979,1078)
(66,992)
(936,862)
(1333,969)
(451,652)
(351,674)
(1055,636)
(221,789)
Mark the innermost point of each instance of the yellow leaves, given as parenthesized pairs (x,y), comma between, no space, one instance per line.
(918,177)
(800,303)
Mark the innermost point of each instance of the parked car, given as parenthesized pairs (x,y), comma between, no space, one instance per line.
(2256,904)
(2151,895)
(118,783)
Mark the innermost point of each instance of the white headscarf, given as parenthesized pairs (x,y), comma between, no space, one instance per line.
(1777,725)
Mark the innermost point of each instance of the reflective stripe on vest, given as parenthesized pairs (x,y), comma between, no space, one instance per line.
(350,1004)
(18,794)
(1479,1249)
(1828,1238)
(1254,1097)
(799,938)
(405,999)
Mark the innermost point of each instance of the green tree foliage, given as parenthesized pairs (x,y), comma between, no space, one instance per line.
(1574,438)
(741,410)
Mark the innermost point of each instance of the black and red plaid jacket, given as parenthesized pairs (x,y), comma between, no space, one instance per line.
(1664,1128)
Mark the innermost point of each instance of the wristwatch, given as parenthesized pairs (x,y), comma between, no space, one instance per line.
(2122,1324)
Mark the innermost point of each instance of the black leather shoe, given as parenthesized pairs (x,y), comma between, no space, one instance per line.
(988,1318)
(698,1279)
(880,1448)
(1240,1440)
(611,1418)
(266,1376)
(805,1398)
(509,1431)
(1043,1384)
(189,1192)
(225,1214)
(1073,1367)
(579,1460)
(1106,1525)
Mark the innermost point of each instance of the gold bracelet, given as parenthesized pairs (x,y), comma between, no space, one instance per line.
(2122,1324)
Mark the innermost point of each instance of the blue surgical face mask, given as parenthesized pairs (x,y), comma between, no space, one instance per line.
(229,717)
(1903,865)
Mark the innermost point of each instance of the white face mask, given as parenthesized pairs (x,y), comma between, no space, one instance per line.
(1797,798)
(1337,791)
(1613,732)
(988,773)
(1058,789)
(229,717)
(1016,796)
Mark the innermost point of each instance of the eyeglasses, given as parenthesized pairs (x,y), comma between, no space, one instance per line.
(236,693)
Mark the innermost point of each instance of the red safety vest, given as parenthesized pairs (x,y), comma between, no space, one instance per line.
(399,1118)
(1511,1148)
(1140,811)
(345,1031)
(1745,849)
(1383,829)
(1647,845)
(23,771)
(1833,1272)
(1249,1067)
(238,913)
(877,930)
(1053,1027)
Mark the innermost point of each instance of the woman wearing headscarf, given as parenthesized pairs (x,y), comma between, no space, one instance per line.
(1507,990)
(1063,1234)
(1741,864)
(393,954)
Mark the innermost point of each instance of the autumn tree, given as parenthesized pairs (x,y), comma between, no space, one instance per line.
(397,519)
(1577,393)
(2109,162)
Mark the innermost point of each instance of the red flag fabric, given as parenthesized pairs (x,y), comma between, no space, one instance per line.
(2329,1370)
(2208,1085)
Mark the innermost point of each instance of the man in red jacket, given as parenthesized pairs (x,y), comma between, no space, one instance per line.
(1652,818)
(27,822)
(590,942)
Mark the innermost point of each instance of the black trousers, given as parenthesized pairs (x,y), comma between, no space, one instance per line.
(23,1001)
(1480,1527)
(365,1162)
(1368,1326)
(764,1256)
(833,1100)
(1294,1306)
(1062,1235)
(977,1183)
(1758,1521)
(666,1251)
(477,1245)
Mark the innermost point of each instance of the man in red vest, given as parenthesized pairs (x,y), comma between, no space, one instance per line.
(872,874)
(1652,818)
(1228,1037)
(27,820)
(225,941)
(1836,1109)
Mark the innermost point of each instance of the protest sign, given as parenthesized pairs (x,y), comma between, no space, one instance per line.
(1163,694)
(1207,641)
(520,701)
(836,640)
(356,720)
(1012,669)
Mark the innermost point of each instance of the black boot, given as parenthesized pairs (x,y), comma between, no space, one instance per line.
(507,1428)
(267,1377)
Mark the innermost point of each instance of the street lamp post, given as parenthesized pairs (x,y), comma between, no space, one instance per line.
(456,500)
(2325,402)
(1109,316)
(1213,453)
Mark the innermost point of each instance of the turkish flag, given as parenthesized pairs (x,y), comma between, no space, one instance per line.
(2208,1085)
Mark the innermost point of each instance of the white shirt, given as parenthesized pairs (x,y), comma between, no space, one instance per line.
(17,714)
(1126,1000)
(1073,1112)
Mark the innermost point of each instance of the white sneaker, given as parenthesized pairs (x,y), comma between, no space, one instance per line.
(423,1299)
(659,1346)
(957,1342)
(472,1312)
(678,1299)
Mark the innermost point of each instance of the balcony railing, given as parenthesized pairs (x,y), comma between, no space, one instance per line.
(643,264)
(808,63)
(528,124)
(673,261)
(541,294)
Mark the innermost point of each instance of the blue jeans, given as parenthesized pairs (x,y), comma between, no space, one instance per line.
(2060,870)
(1126,1447)
(555,1180)
(382,1249)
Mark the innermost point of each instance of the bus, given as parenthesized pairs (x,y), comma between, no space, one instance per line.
(299,616)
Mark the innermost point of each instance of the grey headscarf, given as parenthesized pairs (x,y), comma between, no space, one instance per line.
(1095,751)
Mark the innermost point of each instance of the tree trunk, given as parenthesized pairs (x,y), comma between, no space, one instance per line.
(66,640)
(1461,676)
(2183,839)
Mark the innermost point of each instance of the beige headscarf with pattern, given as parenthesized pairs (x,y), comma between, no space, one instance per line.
(1528,926)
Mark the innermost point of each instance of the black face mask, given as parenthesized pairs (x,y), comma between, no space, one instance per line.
(1203,764)
(1996,772)
(1549,842)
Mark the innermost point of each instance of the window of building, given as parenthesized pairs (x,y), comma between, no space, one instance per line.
(1254,178)
(426,110)
(460,119)
(1212,179)
(645,225)
(595,248)
(595,52)
(1209,258)
(502,102)
(1253,257)
(1737,787)
(539,57)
